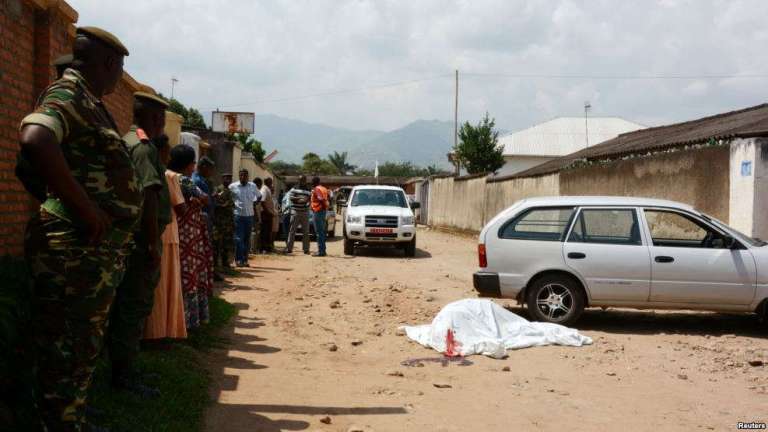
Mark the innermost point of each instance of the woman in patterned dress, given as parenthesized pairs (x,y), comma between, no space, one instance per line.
(194,248)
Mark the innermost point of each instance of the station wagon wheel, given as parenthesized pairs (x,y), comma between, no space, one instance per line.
(556,299)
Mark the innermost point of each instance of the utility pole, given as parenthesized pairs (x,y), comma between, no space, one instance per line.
(456,123)
(587,107)
(173,84)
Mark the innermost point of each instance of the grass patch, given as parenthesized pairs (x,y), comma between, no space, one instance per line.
(182,378)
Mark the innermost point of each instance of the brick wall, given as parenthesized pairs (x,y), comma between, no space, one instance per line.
(17,81)
(33,33)
(120,103)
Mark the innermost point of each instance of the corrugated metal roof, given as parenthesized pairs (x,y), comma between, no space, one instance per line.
(564,135)
(745,123)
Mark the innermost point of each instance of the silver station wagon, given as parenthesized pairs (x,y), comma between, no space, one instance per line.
(559,255)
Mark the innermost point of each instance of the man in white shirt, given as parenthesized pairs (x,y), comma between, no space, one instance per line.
(246,196)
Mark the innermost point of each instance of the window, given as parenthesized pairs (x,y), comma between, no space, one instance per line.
(547,224)
(673,229)
(608,226)
(379,197)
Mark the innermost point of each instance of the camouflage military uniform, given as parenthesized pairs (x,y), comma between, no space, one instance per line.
(74,281)
(135,295)
(223,226)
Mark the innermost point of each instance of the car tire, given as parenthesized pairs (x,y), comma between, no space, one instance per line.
(762,314)
(349,247)
(557,299)
(410,248)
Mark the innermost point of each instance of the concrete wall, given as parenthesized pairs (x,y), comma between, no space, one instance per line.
(760,215)
(703,178)
(173,123)
(742,187)
(457,203)
(749,186)
(500,195)
(699,177)
(237,155)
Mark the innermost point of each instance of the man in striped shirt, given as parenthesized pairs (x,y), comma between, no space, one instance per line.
(299,197)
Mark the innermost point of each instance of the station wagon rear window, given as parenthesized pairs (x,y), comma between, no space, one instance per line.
(545,224)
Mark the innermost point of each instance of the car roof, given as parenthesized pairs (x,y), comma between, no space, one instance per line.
(378,187)
(603,201)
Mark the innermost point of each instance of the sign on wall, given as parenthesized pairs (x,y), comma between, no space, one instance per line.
(233,122)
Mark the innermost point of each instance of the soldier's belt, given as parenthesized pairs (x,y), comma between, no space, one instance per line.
(115,236)
(56,207)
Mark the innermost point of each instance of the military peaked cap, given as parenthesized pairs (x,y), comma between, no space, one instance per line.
(104,36)
(151,97)
(64,60)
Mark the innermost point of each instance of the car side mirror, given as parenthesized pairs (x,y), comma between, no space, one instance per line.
(342,202)
(415,205)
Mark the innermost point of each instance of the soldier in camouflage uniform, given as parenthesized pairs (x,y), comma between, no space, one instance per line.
(223,224)
(135,295)
(76,245)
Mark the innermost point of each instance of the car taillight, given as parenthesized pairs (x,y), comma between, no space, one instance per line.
(482,255)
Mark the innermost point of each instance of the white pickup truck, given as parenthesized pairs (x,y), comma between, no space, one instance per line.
(379,215)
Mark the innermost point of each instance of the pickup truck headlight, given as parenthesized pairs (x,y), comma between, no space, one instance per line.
(354,219)
(407,220)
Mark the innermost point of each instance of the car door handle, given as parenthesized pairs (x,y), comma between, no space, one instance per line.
(664,259)
(576,255)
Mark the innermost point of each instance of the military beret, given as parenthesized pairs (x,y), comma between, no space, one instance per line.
(104,36)
(151,97)
(64,60)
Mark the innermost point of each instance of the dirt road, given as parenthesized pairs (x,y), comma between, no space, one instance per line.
(316,339)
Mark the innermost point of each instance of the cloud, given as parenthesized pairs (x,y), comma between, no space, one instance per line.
(244,54)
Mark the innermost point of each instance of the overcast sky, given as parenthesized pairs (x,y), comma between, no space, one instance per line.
(266,56)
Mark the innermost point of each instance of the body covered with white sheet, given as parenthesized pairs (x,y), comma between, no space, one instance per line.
(482,327)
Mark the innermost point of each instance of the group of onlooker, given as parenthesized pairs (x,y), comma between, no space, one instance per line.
(130,235)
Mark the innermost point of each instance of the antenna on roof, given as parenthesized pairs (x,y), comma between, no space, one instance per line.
(587,107)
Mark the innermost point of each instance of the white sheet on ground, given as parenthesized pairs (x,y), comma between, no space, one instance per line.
(481,326)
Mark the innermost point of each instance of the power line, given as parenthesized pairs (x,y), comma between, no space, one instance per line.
(337,92)
(493,75)
(615,77)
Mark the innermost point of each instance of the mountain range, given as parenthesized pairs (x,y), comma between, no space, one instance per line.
(422,142)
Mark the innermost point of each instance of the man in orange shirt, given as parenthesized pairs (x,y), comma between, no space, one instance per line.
(319,207)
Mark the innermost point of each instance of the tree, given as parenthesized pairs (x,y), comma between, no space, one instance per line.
(192,117)
(398,169)
(285,168)
(249,143)
(479,151)
(339,160)
(314,164)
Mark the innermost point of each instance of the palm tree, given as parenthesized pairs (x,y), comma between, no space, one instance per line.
(339,160)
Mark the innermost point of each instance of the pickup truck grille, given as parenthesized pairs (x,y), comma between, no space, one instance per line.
(381,221)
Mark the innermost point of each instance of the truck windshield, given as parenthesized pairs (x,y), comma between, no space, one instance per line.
(379,197)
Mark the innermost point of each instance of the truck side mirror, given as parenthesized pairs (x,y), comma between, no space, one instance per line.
(415,205)
(342,202)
